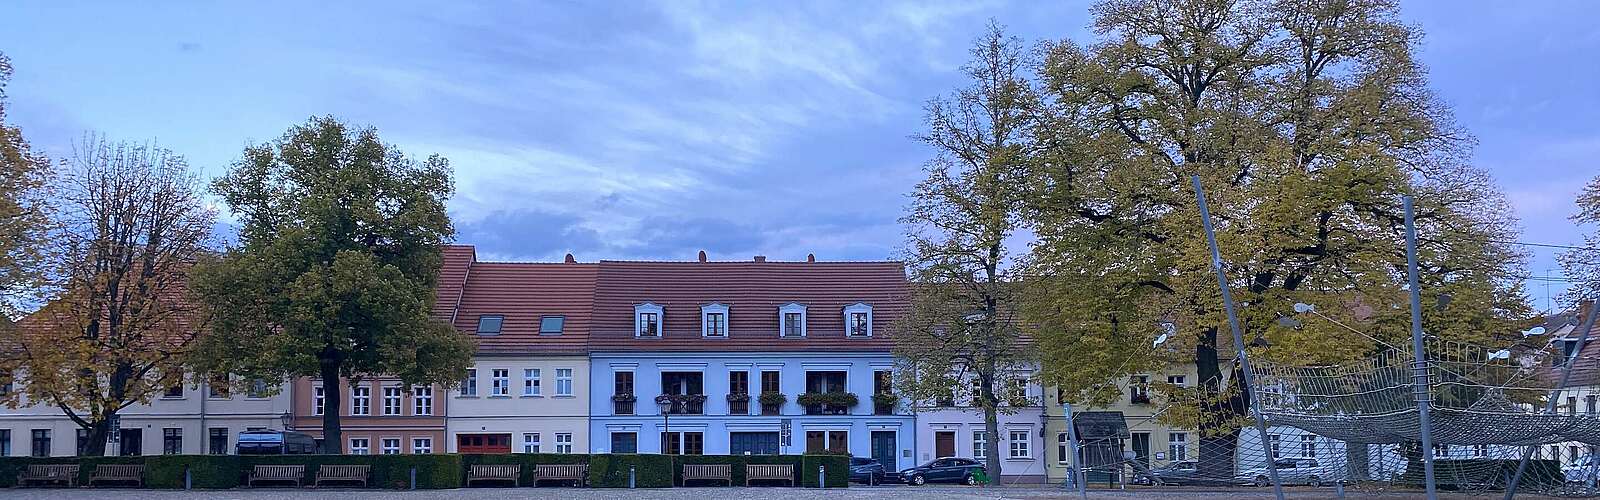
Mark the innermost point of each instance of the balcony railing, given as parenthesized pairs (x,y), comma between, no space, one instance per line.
(683,404)
(623,403)
(827,403)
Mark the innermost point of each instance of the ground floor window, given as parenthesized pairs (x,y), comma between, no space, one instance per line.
(980,445)
(83,442)
(530,442)
(389,446)
(484,443)
(683,443)
(1019,444)
(624,442)
(1480,450)
(218,441)
(1063,448)
(172,441)
(422,445)
(1178,445)
(753,443)
(830,441)
(360,446)
(563,442)
(41,443)
(5,442)
(1308,446)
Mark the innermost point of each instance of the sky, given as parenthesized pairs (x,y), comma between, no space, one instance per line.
(653,130)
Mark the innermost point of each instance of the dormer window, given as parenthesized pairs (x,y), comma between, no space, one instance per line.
(858,320)
(647,320)
(489,324)
(792,320)
(714,320)
(551,325)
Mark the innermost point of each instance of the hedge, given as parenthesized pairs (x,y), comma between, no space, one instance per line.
(838,466)
(611,470)
(526,460)
(10,467)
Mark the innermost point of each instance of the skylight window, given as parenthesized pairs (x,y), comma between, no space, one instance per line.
(489,324)
(551,325)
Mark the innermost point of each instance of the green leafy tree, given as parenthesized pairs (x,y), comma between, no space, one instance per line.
(24,217)
(961,335)
(1307,120)
(336,267)
(1583,264)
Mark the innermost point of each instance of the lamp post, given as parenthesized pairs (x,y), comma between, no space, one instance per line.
(665,405)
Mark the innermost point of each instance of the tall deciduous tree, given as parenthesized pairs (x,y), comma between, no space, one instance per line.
(115,332)
(1583,264)
(1307,120)
(961,335)
(23,211)
(336,267)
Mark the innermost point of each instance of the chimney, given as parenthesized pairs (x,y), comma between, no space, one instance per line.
(811,257)
(702,256)
(761,258)
(571,260)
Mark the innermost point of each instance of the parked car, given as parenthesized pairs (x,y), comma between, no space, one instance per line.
(1183,472)
(866,470)
(1580,471)
(944,470)
(275,443)
(1290,471)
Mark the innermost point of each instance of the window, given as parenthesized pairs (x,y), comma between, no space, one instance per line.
(530,442)
(1572,405)
(422,400)
(1017,390)
(391,403)
(1063,447)
(257,389)
(500,382)
(683,443)
(1139,389)
(714,320)
(1178,445)
(793,318)
(684,383)
(174,391)
(41,443)
(739,384)
(563,442)
(858,320)
(1308,446)
(5,442)
(489,324)
(83,442)
(217,441)
(1019,444)
(563,381)
(552,325)
(753,443)
(218,388)
(1480,450)
(360,446)
(1274,439)
(647,320)
(1572,454)
(422,445)
(827,441)
(622,385)
(172,441)
(1441,450)
(980,445)
(530,382)
(1177,380)
(770,382)
(360,400)
(882,384)
(319,398)
(826,383)
(1589,404)
(469,388)
(624,442)
(389,446)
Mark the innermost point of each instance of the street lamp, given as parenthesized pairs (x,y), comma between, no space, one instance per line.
(666,408)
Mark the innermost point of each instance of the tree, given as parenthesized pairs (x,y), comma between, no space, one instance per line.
(1583,264)
(961,332)
(336,266)
(24,218)
(116,331)
(1307,120)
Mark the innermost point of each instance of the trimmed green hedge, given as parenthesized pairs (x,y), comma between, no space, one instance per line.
(10,467)
(838,470)
(208,472)
(611,470)
(526,460)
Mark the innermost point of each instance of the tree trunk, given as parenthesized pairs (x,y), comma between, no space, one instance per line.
(99,433)
(332,441)
(991,426)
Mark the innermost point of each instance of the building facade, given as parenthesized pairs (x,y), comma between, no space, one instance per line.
(1152,442)
(202,418)
(956,428)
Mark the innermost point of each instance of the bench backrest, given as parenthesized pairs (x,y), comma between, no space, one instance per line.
(338,471)
(715,471)
(571,471)
(280,471)
(52,470)
(496,470)
(755,471)
(108,471)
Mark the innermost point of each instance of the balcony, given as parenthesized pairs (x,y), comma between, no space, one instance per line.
(1139,398)
(739,403)
(828,403)
(683,404)
(623,403)
(884,403)
(772,402)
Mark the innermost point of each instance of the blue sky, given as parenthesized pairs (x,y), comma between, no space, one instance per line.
(653,130)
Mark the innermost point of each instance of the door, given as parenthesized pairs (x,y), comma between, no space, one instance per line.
(944,444)
(131,442)
(1141,449)
(483,443)
(883,449)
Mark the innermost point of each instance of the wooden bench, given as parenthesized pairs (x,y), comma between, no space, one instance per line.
(49,473)
(342,473)
(277,473)
(495,472)
(705,472)
(754,472)
(568,472)
(118,473)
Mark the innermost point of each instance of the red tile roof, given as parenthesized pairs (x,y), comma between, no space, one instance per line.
(523,293)
(453,271)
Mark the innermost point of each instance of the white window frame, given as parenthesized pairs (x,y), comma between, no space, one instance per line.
(1178,446)
(1276,440)
(469,388)
(1177,380)
(1308,446)
(1063,447)
(638,320)
(563,381)
(422,400)
(532,383)
(393,400)
(385,449)
(421,445)
(852,309)
(706,311)
(499,382)
(564,442)
(364,449)
(1480,450)
(319,398)
(361,400)
(530,442)
(980,444)
(783,312)
(1025,445)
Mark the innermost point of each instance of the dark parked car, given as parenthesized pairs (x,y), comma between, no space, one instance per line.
(1183,472)
(866,470)
(944,470)
(275,443)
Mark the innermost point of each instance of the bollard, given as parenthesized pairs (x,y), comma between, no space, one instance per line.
(1338,488)
(187,482)
(822,476)
(413,477)
(631,476)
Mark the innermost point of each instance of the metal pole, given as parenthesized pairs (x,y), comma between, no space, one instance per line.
(1077,459)
(632,476)
(822,476)
(413,477)
(1419,377)
(1238,337)
(1555,395)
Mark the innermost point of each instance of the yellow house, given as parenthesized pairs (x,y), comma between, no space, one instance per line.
(1152,442)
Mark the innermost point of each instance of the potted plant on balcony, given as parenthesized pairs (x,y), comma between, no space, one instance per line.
(773,398)
(885,400)
(829,402)
(624,398)
(738,397)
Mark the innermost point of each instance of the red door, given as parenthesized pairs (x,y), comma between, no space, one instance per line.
(483,443)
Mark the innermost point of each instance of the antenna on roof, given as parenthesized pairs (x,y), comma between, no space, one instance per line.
(702,256)
(571,260)
(811,257)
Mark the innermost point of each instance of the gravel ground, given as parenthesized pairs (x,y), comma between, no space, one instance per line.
(865,493)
